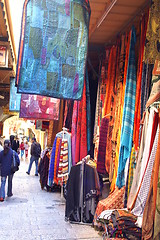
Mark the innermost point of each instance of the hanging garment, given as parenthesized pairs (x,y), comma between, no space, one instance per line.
(67,136)
(157,213)
(62,175)
(128,113)
(152,48)
(43,168)
(145,185)
(137,115)
(81,193)
(53,48)
(142,160)
(149,219)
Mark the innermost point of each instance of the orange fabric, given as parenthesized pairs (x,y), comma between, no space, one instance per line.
(139,80)
(113,184)
(56,155)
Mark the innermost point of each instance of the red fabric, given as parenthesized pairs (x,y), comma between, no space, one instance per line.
(39,107)
(139,80)
(81,136)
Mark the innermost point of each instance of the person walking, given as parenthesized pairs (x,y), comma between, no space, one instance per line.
(35,154)
(6,158)
(26,145)
(22,148)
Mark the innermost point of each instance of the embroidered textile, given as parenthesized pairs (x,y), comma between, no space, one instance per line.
(152,48)
(53,48)
(39,107)
(114,201)
(128,113)
(63,164)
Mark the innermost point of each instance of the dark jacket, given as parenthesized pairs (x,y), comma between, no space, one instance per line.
(6,162)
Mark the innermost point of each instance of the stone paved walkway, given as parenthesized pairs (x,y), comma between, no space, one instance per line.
(34,214)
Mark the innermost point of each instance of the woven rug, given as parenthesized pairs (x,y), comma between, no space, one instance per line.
(53,48)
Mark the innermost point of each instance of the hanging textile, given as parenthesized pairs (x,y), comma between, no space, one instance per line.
(146,85)
(128,112)
(149,218)
(15,98)
(63,164)
(39,107)
(137,115)
(43,168)
(74,130)
(152,48)
(102,146)
(88,103)
(157,214)
(81,134)
(66,136)
(120,76)
(53,48)
(142,161)
(52,177)
(144,188)
(121,97)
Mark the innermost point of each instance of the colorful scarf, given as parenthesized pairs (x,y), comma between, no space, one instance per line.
(53,48)
(128,113)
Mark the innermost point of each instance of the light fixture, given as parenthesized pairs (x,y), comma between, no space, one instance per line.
(108,9)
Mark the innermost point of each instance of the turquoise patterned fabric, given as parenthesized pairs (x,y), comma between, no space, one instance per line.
(128,112)
(52,57)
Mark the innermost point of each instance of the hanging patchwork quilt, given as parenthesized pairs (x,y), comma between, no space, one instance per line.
(15,98)
(39,107)
(53,48)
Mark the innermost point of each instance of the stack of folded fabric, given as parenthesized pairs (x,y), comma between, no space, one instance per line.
(122,224)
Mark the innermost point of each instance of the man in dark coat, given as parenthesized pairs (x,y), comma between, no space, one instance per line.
(6,158)
(35,155)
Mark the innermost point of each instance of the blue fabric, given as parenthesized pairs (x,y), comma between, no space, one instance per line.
(15,98)
(128,112)
(6,162)
(51,165)
(52,58)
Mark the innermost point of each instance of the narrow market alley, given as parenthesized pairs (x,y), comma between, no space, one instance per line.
(35,214)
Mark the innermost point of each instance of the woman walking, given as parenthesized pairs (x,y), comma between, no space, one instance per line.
(6,158)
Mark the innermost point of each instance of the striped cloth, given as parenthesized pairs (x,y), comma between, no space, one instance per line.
(63,164)
(128,113)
